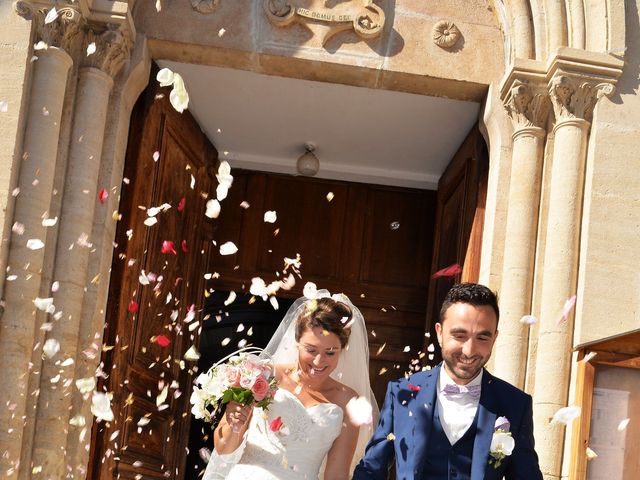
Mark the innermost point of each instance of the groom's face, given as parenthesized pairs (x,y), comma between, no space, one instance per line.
(466,336)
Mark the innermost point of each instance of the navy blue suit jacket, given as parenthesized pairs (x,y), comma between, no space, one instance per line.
(408,415)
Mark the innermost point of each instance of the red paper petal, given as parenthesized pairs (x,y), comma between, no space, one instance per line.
(163,341)
(275,424)
(183,245)
(181,204)
(450,271)
(178,280)
(414,388)
(168,247)
(103,195)
(133,306)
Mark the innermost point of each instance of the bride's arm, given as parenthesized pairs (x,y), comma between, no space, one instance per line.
(228,435)
(341,452)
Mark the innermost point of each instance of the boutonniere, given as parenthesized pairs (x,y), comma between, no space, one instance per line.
(502,442)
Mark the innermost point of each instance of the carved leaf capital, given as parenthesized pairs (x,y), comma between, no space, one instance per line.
(112,48)
(205,6)
(527,105)
(575,97)
(61,32)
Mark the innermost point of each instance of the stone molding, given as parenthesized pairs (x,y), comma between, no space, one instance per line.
(364,17)
(527,105)
(445,34)
(113,48)
(205,6)
(59,33)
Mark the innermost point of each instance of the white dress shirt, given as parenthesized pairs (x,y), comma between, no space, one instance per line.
(456,411)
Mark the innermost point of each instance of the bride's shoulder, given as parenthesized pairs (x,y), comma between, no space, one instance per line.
(343,394)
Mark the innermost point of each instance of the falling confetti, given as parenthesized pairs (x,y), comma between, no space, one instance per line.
(103,195)
(162,340)
(413,388)
(133,306)
(213,208)
(529,320)
(270,216)
(225,180)
(168,247)
(310,290)
(51,16)
(391,437)
(181,204)
(450,271)
(101,406)
(91,48)
(623,424)
(330,196)
(566,310)
(41,45)
(156,156)
(566,415)
(51,347)
(44,304)
(228,248)
(158,6)
(221,32)
(590,454)
(34,244)
(86,385)
(4,106)
(230,299)
(178,97)
(49,222)
(192,354)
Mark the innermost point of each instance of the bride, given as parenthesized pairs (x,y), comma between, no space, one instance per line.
(321,359)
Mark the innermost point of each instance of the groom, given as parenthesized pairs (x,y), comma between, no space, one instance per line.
(439,424)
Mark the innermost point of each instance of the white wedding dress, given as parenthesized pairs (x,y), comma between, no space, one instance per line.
(295,452)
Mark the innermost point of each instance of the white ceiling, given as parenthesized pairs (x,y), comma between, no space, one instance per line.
(261,122)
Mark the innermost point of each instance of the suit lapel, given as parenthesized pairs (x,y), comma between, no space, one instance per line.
(487,408)
(423,408)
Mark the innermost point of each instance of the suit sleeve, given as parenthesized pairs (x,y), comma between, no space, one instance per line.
(380,450)
(523,464)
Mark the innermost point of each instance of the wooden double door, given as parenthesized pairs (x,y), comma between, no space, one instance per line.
(379,245)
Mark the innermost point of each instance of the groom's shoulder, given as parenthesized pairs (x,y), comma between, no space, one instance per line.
(506,389)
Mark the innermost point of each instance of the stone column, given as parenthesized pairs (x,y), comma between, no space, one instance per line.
(18,322)
(573,99)
(528,107)
(95,81)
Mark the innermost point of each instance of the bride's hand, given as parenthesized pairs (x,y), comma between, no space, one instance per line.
(238,416)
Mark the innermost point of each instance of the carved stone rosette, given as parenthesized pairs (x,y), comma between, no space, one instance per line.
(445,34)
(526,105)
(61,32)
(365,18)
(112,48)
(205,6)
(575,97)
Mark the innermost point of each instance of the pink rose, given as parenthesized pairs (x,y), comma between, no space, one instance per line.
(260,388)
(233,376)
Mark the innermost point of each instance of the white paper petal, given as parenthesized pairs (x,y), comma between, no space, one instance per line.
(101,406)
(231,298)
(567,415)
(221,191)
(270,216)
(34,244)
(623,424)
(213,209)
(228,248)
(86,385)
(162,396)
(359,411)
(158,6)
(310,290)
(43,304)
(51,347)
(150,221)
(91,48)
(192,354)
(4,106)
(49,222)
(528,320)
(165,77)
(51,16)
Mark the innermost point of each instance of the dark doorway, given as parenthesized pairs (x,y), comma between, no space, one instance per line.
(257,320)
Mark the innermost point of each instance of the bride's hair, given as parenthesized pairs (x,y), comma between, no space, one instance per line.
(326,313)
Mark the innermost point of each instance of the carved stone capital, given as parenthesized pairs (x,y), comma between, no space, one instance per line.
(575,97)
(205,6)
(527,105)
(59,32)
(112,48)
(364,17)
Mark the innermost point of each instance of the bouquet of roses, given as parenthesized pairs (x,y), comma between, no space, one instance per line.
(241,377)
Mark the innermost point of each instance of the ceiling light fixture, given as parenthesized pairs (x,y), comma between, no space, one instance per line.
(308,164)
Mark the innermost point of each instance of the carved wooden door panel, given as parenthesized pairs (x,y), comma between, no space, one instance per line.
(462,193)
(156,279)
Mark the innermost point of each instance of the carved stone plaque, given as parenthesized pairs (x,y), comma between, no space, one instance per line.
(364,17)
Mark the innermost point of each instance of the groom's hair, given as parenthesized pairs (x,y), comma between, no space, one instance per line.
(326,313)
(472,294)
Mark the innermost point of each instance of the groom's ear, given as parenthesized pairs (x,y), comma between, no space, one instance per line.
(439,332)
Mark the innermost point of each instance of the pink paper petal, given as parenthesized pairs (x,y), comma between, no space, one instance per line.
(450,271)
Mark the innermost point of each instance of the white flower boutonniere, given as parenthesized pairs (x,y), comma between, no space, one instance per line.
(502,442)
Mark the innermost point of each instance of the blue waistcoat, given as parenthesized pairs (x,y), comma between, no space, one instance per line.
(445,461)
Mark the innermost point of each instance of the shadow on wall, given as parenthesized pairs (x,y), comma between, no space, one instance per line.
(222,322)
